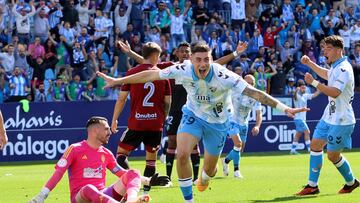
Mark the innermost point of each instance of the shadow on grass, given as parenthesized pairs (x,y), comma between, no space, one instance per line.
(291,198)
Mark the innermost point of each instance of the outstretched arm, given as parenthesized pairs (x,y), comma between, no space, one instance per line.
(141,77)
(241,47)
(3,136)
(266,99)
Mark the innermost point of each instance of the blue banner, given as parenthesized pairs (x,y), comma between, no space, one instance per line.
(48,129)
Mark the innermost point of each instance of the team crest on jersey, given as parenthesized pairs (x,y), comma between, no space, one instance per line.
(103,158)
(213,89)
(93,172)
(192,84)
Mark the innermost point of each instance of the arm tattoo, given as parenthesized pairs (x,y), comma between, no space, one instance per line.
(260,96)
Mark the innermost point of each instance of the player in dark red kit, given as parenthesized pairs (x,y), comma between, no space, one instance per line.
(150,104)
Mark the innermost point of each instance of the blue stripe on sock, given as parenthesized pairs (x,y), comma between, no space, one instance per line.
(186,188)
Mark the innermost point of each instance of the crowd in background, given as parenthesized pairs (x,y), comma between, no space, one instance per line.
(51,49)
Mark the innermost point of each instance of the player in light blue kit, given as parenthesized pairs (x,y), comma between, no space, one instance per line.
(205,114)
(300,100)
(239,126)
(338,121)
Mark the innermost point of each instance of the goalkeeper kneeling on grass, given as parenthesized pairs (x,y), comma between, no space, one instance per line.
(87,162)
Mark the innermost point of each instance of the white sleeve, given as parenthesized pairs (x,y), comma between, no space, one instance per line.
(173,72)
(308,96)
(231,79)
(342,79)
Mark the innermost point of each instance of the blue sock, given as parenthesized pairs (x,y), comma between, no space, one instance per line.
(343,167)
(186,188)
(237,156)
(316,162)
(229,156)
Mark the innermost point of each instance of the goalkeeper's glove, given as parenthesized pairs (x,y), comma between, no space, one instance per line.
(40,198)
(157,180)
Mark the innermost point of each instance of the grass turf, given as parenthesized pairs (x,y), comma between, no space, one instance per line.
(268,177)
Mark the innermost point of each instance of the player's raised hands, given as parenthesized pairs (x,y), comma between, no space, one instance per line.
(110,81)
(124,46)
(290,112)
(157,180)
(305,60)
(241,47)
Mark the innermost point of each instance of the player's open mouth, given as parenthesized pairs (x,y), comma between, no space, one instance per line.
(202,72)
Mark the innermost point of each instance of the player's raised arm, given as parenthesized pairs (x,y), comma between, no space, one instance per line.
(266,99)
(141,77)
(322,72)
(241,47)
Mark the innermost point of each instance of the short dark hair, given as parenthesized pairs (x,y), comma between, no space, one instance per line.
(149,48)
(95,120)
(200,47)
(335,41)
(184,44)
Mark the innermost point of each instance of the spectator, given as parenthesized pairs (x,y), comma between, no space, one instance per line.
(290,87)
(278,81)
(78,56)
(355,32)
(251,9)
(200,15)
(137,17)
(22,20)
(238,14)
(68,32)
(36,49)
(21,62)
(287,12)
(177,25)
(39,93)
(161,18)
(8,59)
(57,90)
(254,44)
(300,16)
(355,62)
(70,14)
(89,93)
(261,77)
(41,25)
(270,33)
(84,12)
(55,14)
(330,28)
(19,87)
(122,16)
(286,51)
(39,66)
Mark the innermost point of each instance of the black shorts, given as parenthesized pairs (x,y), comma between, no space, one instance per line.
(174,122)
(131,139)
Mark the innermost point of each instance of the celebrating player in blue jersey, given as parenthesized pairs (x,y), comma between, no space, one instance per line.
(300,100)
(239,126)
(338,121)
(205,114)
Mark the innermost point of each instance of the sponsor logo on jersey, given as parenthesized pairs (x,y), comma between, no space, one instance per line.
(93,172)
(84,157)
(148,116)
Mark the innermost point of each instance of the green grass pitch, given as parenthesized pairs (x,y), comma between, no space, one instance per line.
(270,177)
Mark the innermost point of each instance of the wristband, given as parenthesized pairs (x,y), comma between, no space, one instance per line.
(315,83)
(235,54)
(281,107)
(45,192)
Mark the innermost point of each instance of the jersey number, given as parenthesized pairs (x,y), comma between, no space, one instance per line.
(149,94)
